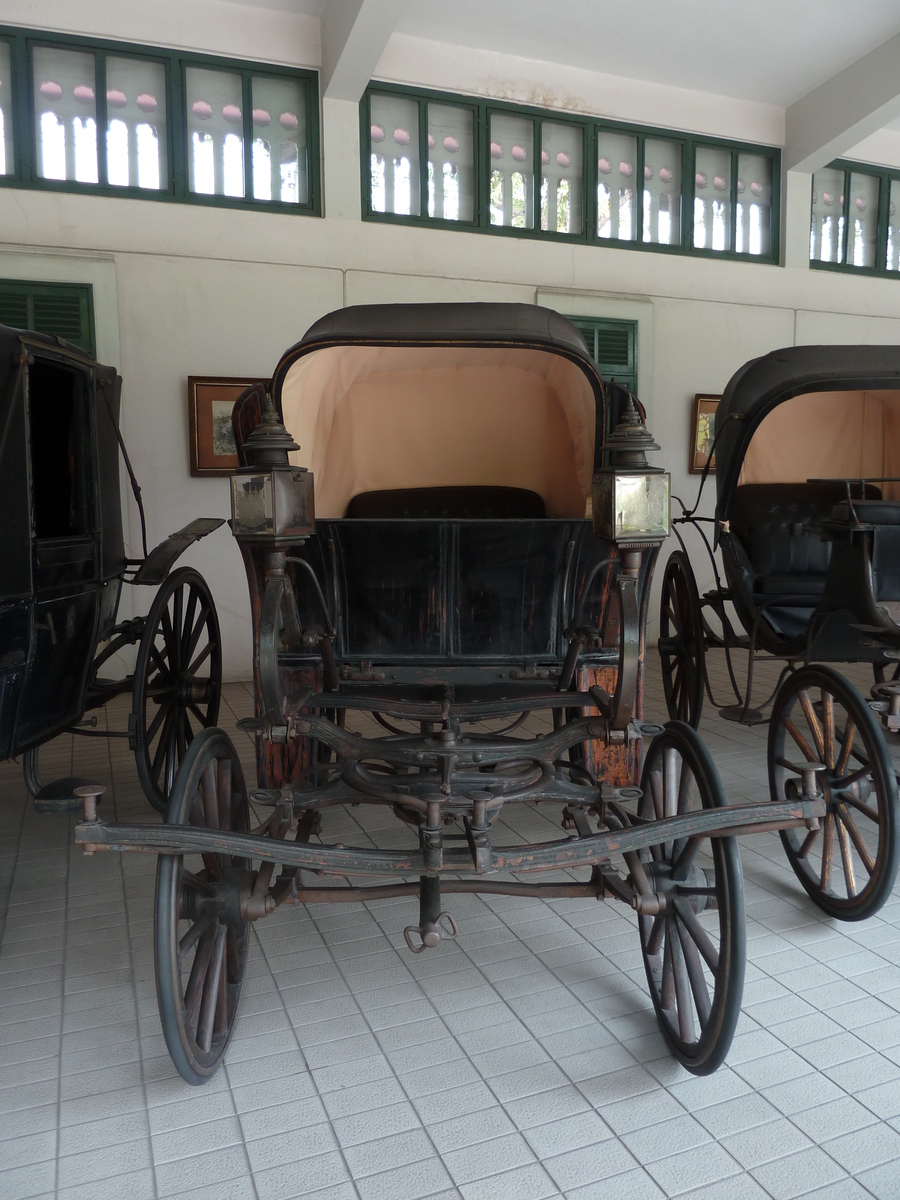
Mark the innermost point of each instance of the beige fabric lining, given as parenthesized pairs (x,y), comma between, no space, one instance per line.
(828,435)
(376,417)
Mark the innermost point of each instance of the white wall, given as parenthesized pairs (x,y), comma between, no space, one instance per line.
(183,290)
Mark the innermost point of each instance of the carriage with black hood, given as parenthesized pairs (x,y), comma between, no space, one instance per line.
(63,563)
(448,542)
(807,523)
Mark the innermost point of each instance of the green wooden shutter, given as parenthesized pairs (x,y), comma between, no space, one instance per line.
(613,345)
(63,310)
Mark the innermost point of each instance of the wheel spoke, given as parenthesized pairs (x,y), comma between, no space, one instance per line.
(197,713)
(195,933)
(168,633)
(828,727)
(685,854)
(160,658)
(856,837)
(210,999)
(813,721)
(656,792)
(702,940)
(808,843)
(846,858)
(667,988)
(197,977)
(154,725)
(199,660)
(187,626)
(177,626)
(208,793)
(223,792)
(196,633)
(849,734)
(695,973)
(159,758)
(827,852)
(654,937)
(798,738)
(196,884)
(670,791)
(862,807)
(682,986)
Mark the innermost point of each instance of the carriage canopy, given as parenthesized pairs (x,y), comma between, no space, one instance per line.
(810,412)
(434,395)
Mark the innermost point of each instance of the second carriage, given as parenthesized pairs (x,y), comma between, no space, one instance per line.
(807,526)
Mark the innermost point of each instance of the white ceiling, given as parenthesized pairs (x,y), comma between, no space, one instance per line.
(767,50)
(772,51)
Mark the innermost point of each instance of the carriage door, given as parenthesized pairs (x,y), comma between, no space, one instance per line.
(65,548)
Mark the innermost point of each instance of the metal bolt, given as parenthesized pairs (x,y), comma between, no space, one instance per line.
(89,794)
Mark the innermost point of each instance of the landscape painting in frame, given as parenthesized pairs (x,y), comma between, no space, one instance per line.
(703,433)
(210,401)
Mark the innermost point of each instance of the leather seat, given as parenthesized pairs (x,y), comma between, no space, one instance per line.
(869,512)
(453,503)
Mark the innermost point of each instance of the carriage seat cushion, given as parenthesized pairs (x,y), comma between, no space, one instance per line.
(455,503)
(776,524)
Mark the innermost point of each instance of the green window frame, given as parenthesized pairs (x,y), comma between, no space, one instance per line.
(63,310)
(842,204)
(531,132)
(25,167)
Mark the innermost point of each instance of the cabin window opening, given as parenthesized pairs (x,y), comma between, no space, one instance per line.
(58,484)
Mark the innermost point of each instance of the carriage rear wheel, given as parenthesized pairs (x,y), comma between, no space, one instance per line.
(681,648)
(849,864)
(177,680)
(694,948)
(201,940)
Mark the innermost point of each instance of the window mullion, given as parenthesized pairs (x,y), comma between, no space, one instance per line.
(537,174)
(735,168)
(176,139)
(639,193)
(247,131)
(23,112)
(845,209)
(882,228)
(423,162)
(100,117)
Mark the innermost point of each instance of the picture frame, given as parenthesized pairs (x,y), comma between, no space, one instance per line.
(703,433)
(210,401)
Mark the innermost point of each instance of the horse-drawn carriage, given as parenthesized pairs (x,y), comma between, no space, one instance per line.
(807,519)
(447,635)
(63,560)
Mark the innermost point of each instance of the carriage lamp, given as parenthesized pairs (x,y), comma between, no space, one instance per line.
(630,498)
(272,501)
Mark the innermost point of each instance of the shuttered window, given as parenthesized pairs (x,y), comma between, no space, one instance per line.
(63,310)
(613,345)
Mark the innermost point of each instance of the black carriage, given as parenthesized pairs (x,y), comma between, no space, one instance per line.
(807,522)
(448,635)
(63,559)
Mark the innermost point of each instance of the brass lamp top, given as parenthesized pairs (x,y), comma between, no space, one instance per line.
(630,440)
(270,443)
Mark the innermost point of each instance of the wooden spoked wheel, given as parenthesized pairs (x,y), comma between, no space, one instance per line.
(694,948)
(201,940)
(177,680)
(849,864)
(681,648)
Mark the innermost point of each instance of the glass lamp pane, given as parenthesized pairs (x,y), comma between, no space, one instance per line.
(136,140)
(395,155)
(662,192)
(280,153)
(826,232)
(862,221)
(562,174)
(252,504)
(451,163)
(893,232)
(65,114)
(753,233)
(215,126)
(512,171)
(616,167)
(642,506)
(712,199)
(7,159)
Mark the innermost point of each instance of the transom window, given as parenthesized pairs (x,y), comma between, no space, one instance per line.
(854,222)
(142,121)
(434,158)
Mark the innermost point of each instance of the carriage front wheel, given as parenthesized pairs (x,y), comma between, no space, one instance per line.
(681,648)
(849,864)
(694,946)
(177,680)
(200,939)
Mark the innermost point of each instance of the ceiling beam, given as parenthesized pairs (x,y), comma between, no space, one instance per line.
(834,117)
(354,36)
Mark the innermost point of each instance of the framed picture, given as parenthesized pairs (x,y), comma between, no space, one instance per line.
(703,433)
(210,401)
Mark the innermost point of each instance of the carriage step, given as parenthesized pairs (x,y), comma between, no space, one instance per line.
(61,796)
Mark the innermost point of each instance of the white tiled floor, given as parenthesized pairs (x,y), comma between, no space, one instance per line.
(521,1062)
